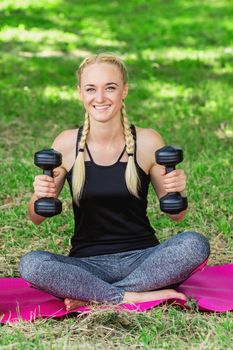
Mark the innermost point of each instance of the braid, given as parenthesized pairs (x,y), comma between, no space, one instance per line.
(127,131)
(85,131)
(131,175)
(78,177)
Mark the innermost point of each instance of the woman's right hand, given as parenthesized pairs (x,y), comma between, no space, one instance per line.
(44,185)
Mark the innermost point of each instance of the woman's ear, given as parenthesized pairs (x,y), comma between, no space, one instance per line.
(79,93)
(125,91)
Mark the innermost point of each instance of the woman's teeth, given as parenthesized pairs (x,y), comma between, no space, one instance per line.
(101,107)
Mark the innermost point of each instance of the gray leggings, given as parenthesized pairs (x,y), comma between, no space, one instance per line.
(105,278)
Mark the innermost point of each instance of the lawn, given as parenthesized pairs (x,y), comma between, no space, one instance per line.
(179,56)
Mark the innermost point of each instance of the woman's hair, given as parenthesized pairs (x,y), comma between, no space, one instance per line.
(131,175)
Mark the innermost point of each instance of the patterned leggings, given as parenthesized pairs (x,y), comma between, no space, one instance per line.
(105,278)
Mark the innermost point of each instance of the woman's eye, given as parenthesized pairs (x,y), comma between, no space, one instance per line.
(109,88)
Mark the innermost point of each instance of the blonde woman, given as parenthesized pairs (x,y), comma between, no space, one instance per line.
(115,256)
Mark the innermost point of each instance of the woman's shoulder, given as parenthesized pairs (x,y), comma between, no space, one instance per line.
(148,141)
(65,143)
(149,138)
(65,140)
(66,134)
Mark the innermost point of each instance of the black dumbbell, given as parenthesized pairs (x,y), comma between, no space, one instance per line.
(48,159)
(169,156)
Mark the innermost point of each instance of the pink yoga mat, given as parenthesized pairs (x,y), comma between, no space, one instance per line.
(211,288)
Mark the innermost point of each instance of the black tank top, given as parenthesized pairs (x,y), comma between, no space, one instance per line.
(110,219)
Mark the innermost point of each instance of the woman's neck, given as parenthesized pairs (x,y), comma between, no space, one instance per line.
(105,134)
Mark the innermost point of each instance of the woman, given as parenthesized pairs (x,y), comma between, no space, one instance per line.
(115,256)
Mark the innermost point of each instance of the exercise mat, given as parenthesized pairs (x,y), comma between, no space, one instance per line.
(209,289)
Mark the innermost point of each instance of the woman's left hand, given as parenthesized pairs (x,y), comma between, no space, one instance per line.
(175,181)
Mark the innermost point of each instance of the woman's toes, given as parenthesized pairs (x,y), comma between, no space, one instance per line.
(74,304)
(182,296)
(174,294)
(67,301)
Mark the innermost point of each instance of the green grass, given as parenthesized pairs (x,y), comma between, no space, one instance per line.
(180,60)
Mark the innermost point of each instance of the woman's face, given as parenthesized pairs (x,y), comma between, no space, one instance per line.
(102,90)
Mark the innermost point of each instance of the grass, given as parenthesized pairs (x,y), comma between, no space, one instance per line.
(180,60)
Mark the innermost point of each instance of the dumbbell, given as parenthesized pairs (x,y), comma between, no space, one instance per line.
(169,156)
(48,159)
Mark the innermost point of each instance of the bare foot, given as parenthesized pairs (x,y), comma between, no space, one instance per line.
(74,303)
(137,297)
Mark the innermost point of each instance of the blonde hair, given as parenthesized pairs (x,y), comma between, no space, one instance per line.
(131,176)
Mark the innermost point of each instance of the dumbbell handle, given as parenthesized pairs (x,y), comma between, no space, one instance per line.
(48,172)
(169,169)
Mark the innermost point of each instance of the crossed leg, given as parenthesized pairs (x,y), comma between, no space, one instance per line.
(169,263)
(160,266)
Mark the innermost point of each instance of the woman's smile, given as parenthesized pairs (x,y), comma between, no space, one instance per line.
(102,108)
(102,91)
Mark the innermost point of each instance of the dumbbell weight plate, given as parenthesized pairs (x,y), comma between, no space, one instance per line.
(173,203)
(48,159)
(48,207)
(171,155)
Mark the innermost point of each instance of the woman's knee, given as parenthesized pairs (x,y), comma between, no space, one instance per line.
(29,263)
(197,245)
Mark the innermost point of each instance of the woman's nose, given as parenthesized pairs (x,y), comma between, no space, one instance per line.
(99,97)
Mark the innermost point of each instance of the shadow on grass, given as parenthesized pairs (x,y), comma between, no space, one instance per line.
(140,24)
(44,44)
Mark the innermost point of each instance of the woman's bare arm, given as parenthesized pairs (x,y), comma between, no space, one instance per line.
(46,186)
(162,183)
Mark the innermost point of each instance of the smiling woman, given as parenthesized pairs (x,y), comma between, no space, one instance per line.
(102,93)
(115,256)
(102,96)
